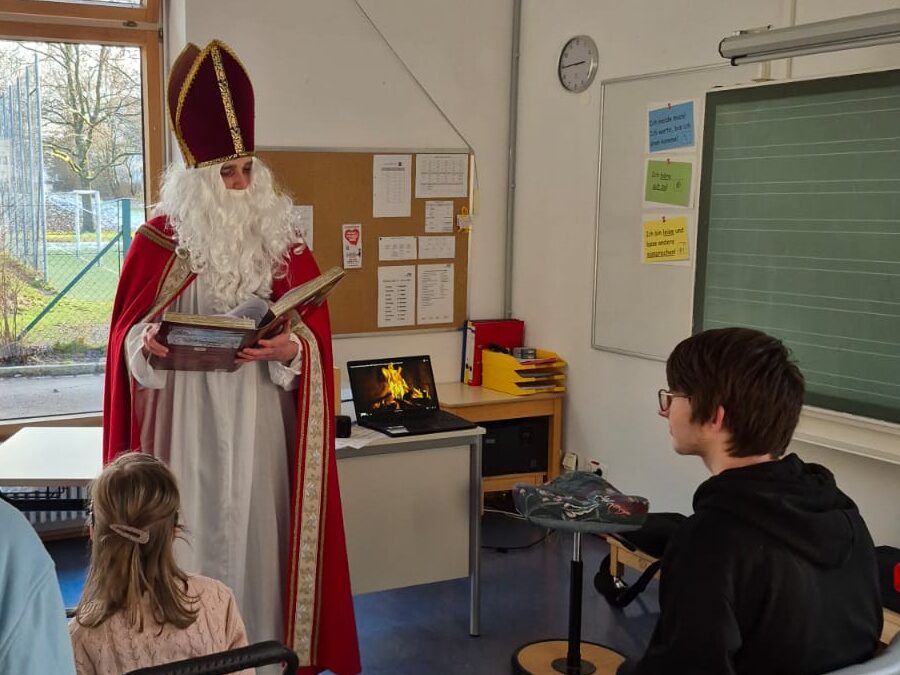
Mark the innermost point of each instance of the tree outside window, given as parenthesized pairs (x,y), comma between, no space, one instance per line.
(71,189)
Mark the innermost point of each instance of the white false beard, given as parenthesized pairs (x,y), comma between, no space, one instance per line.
(239,240)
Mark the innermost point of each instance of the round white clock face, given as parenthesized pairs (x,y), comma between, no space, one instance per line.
(578,63)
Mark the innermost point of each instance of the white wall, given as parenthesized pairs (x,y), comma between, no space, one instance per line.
(610,412)
(324,78)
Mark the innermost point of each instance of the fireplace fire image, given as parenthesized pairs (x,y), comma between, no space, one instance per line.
(397,393)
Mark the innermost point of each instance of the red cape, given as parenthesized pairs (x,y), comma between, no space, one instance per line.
(152,278)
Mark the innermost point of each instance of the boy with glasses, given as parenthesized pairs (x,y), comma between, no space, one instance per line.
(775,571)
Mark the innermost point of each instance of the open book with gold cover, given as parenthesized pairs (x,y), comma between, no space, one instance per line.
(202,342)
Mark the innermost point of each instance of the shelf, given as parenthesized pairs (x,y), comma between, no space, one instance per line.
(478,405)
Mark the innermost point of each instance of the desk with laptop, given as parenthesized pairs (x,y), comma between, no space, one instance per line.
(411,498)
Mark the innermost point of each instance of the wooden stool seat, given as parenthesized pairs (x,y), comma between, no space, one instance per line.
(548,657)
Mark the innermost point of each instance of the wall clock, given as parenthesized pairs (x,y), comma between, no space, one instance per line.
(578,63)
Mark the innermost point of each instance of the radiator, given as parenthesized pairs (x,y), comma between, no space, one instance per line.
(49,520)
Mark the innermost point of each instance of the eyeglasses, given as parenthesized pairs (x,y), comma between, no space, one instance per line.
(665,397)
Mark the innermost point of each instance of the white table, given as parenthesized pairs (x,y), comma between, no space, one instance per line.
(51,457)
(410,504)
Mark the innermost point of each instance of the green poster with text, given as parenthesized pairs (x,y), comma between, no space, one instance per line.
(668,182)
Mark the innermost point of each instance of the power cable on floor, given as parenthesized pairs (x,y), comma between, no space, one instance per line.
(515,516)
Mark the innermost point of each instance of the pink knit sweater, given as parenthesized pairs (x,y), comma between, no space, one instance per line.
(115,647)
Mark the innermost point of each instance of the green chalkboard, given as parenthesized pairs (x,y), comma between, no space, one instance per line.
(799,230)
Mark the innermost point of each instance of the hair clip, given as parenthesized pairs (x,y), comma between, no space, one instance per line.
(135,534)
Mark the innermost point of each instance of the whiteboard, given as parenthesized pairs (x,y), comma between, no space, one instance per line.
(644,309)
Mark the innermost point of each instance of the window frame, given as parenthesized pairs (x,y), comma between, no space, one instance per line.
(138,26)
(145,15)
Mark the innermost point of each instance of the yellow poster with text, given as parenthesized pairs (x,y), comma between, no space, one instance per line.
(666,240)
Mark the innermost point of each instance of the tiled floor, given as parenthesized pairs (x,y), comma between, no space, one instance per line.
(424,629)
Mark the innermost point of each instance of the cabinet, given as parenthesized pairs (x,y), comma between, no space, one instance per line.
(477,404)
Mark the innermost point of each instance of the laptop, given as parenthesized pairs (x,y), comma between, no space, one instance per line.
(398,397)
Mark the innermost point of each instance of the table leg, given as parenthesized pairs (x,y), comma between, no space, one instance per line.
(616,567)
(555,440)
(475,538)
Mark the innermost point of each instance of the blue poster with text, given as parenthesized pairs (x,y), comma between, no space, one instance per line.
(671,127)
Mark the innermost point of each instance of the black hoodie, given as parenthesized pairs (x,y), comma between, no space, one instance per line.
(774,573)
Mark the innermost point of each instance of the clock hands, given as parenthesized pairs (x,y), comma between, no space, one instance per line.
(569,65)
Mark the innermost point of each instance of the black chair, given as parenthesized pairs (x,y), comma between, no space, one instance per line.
(233,660)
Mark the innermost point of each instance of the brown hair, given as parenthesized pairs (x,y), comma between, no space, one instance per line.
(135,505)
(751,375)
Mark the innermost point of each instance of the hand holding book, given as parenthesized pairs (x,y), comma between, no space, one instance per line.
(255,309)
(224,342)
(278,347)
(152,347)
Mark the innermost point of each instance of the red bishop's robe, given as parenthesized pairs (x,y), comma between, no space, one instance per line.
(319,622)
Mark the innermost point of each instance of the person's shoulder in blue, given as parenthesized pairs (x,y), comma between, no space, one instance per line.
(33,633)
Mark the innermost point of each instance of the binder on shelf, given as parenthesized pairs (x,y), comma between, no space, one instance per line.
(541,375)
(481,333)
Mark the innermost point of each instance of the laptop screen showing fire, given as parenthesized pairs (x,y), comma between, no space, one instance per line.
(399,387)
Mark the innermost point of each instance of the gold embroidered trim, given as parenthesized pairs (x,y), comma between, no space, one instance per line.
(182,95)
(227,101)
(173,281)
(328,417)
(310,517)
(225,48)
(156,237)
(220,160)
(165,273)
(303,396)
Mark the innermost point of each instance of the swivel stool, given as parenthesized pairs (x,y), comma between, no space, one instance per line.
(577,502)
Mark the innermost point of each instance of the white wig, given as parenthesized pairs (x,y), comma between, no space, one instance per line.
(238,239)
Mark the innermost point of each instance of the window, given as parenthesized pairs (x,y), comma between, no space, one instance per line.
(79,136)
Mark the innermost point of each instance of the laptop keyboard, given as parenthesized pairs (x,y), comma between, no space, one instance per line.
(440,420)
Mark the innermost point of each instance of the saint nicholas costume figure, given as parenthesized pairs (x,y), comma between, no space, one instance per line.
(253,449)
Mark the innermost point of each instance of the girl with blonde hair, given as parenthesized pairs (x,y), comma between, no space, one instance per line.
(138,608)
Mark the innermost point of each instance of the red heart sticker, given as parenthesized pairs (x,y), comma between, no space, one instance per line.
(352,236)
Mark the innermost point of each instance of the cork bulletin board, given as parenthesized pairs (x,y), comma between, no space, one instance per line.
(338,185)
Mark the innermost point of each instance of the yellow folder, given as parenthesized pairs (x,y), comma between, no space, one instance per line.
(541,375)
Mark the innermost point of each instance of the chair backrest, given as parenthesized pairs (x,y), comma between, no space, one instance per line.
(233,660)
(885,663)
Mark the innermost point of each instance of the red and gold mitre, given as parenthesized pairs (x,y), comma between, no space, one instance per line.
(211,105)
